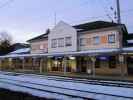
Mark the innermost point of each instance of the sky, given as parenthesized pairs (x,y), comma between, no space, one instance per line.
(25,19)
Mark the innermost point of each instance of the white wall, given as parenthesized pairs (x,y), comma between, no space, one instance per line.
(62,30)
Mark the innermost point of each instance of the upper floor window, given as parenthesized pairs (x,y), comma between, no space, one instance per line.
(61,42)
(96,39)
(54,43)
(82,41)
(41,47)
(111,38)
(68,41)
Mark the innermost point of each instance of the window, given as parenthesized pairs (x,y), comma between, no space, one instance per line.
(68,41)
(61,42)
(41,47)
(96,40)
(82,41)
(54,43)
(111,38)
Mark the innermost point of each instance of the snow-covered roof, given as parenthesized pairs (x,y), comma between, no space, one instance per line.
(130,41)
(88,52)
(76,53)
(21,51)
(128,49)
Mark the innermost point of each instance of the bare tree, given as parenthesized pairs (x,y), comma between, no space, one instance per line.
(5,43)
(5,36)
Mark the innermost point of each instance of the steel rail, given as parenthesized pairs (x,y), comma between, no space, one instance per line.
(76,80)
(64,88)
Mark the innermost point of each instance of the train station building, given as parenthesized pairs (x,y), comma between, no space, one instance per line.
(94,48)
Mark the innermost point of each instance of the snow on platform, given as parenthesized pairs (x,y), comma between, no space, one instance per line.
(63,90)
(128,49)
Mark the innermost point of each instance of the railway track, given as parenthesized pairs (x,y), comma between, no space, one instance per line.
(94,82)
(52,89)
(82,94)
(77,80)
(71,93)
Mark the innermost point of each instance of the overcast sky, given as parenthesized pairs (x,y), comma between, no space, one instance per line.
(24,19)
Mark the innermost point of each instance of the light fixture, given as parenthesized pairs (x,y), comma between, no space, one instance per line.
(71,58)
(55,62)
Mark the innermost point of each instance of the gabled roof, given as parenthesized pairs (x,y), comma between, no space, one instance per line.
(40,37)
(87,27)
(94,25)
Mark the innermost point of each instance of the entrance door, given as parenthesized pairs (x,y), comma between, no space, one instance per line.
(57,64)
(130,65)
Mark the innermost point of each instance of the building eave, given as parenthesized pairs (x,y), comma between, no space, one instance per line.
(79,53)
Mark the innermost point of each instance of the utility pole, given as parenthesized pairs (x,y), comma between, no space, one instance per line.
(118,12)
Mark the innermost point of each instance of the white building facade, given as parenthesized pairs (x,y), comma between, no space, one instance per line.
(62,38)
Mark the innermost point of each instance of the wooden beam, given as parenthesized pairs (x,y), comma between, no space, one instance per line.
(0,64)
(122,65)
(65,64)
(93,59)
(10,62)
(23,63)
(41,65)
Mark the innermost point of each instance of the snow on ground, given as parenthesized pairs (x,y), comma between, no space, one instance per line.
(67,87)
(37,92)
